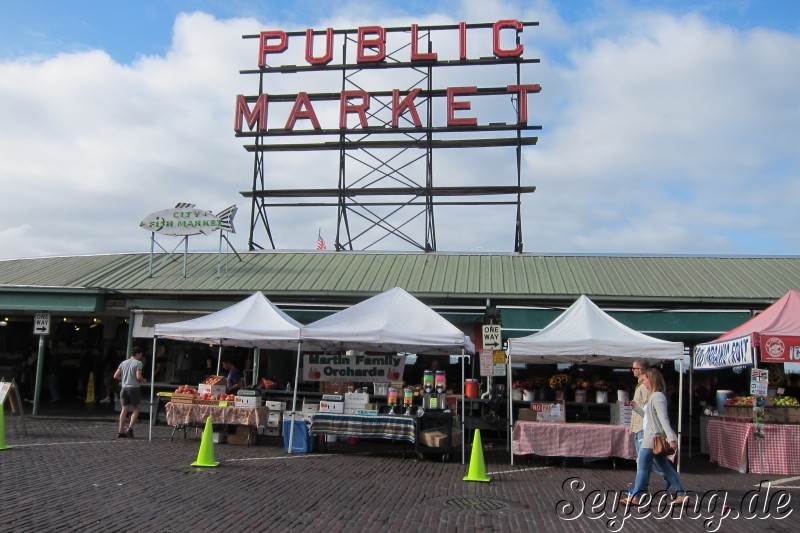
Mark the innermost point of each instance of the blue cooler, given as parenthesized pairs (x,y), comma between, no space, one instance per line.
(302,442)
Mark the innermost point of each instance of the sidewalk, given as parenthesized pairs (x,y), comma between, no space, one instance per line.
(69,473)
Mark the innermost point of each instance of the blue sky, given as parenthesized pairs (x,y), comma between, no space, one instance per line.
(667,127)
(128,29)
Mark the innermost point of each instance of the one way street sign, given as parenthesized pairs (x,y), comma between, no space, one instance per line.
(41,324)
(492,339)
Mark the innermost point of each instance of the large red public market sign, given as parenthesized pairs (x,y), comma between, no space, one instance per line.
(371,48)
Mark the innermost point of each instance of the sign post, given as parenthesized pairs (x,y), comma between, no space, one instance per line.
(41,327)
(759,382)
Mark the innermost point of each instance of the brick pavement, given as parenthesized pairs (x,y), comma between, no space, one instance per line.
(70,475)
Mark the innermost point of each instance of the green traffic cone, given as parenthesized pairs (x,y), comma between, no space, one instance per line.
(3,429)
(477,471)
(205,457)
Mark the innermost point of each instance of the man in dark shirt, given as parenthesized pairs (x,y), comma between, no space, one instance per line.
(234,376)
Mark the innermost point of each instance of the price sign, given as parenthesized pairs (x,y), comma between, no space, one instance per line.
(499,363)
(759,382)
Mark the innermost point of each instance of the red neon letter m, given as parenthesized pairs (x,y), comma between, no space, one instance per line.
(259,113)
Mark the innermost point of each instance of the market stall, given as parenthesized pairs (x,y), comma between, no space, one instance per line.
(255,322)
(763,439)
(390,322)
(195,415)
(584,334)
(572,440)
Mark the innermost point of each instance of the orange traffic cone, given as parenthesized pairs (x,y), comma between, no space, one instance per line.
(205,457)
(477,470)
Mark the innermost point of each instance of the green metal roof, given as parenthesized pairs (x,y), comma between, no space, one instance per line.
(434,277)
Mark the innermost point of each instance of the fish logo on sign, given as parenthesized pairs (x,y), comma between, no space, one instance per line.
(185,219)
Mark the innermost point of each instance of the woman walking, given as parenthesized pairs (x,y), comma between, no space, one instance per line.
(656,420)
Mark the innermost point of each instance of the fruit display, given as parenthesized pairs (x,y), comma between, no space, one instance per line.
(185,389)
(784,401)
(741,400)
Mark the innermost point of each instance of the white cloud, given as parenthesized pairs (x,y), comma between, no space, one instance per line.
(662,134)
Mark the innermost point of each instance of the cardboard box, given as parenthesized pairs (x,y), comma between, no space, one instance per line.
(274,419)
(216,390)
(354,401)
(331,407)
(272,432)
(528,415)
(242,435)
(430,437)
(356,397)
(275,406)
(247,401)
(219,437)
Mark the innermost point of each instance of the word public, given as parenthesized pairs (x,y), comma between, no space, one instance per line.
(371,48)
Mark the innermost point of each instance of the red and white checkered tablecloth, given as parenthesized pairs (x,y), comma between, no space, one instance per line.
(727,443)
(572,440)
(735,445)
(779,452)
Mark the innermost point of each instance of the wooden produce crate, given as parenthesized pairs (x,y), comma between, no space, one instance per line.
(205,402)
(180,397)
(739,411)
(334,387)
(782,415)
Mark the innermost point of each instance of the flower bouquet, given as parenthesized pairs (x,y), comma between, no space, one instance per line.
(558,383)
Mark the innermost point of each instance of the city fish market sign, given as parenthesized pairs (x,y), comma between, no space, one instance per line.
(186,219)
(353,367)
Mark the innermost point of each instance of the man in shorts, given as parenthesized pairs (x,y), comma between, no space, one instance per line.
(130,374)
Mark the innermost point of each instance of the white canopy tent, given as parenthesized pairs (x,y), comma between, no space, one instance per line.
(390,322)
(255,322)
(585,334)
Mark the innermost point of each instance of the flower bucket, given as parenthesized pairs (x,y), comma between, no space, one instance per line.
(580,395)
(601,396)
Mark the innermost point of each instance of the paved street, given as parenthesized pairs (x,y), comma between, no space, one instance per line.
(71,475)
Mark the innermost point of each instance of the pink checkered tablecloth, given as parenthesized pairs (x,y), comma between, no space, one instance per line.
(735,445)
(727,443)
(778,453)
(572,440)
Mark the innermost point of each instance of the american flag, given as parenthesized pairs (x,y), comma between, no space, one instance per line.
(320,243)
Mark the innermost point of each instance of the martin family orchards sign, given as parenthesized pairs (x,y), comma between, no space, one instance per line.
(353,367)
(371,52)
